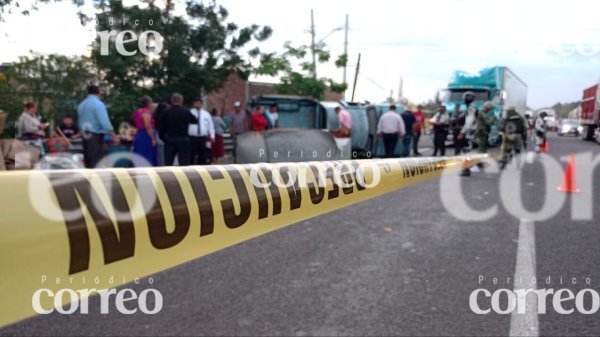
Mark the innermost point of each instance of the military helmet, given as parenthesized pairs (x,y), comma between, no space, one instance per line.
(489,105)
(468,94)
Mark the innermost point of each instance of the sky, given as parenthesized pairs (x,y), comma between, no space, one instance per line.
(554,46)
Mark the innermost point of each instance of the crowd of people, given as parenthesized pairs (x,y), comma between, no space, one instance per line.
(166,133)
(405,127)
(472,127)
(170,133)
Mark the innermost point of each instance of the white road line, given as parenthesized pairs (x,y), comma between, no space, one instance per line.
(526,324)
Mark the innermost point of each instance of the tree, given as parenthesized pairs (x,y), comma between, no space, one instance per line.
(199,51)
(57,83)
(563,109)
(301,82)
(12,5)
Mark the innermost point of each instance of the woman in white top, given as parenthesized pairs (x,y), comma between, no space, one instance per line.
(30,127)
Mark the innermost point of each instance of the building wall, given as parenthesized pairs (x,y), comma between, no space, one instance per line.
(236,89)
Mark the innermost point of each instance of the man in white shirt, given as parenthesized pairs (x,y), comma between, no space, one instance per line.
(390,127)
(200,133)
(441,123)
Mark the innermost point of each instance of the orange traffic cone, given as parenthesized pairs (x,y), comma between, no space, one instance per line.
(569,184)
(545,148)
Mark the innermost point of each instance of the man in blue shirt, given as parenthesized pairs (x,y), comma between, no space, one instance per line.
(94,125)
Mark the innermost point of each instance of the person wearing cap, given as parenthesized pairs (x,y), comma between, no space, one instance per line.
(512,127)
(540,131)
(483,126)
(238,122)
(345,123)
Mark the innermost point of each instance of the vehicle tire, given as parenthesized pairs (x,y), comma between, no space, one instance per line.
(588,132)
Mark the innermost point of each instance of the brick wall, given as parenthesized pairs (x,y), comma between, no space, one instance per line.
(234,89)
(257,89)
(237,89)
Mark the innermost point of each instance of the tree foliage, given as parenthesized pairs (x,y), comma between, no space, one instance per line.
(11,6)
(56,82)
(200,50)
(302,81)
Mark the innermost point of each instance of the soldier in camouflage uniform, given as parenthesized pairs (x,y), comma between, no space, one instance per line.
(483,125)
(512,128)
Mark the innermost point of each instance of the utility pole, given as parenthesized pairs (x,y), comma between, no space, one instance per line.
(312,44)
(345,52)
(355,77)
(400,88)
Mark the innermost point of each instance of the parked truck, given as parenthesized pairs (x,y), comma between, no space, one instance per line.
(498,85)
(590,113)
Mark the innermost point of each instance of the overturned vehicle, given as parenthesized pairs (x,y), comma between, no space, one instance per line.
(304,132)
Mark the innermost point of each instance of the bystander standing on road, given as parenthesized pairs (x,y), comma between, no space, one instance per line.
(418,129)
(540,131)
(372,131)
(468,128)
(175,124)
(440,122)
(258,120)
(218,146)
(390,128)
(159,111)
(145,140)
(200,133)
(409,121)
(94,125)
(344,123)
(238,122)
(272,116)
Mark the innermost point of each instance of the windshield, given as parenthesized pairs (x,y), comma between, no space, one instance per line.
(570,122)
(456,95)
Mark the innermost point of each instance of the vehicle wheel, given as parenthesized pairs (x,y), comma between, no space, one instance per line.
(588,133)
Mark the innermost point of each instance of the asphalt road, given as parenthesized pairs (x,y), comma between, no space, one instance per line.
(400,264)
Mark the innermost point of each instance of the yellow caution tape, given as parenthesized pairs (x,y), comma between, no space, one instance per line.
(82,229)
